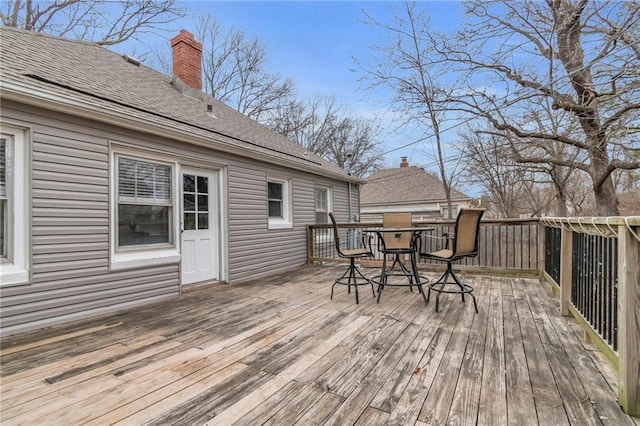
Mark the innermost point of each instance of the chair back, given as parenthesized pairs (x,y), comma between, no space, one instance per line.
(400,240)
(336,238)
(467,232)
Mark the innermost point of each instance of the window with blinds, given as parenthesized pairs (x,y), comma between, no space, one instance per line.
(143,182)
(145,202)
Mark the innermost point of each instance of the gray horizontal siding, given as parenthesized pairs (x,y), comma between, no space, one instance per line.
(70,233)
(70,222)
(255,250)
(86,284)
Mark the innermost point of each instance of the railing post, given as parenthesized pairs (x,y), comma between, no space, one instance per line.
(629,320)
(566,251)
(310,253)
(541,248)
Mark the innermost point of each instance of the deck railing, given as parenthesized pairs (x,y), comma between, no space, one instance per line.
(592,263)
(506,245)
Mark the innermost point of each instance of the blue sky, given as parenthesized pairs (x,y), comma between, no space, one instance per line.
(313,42)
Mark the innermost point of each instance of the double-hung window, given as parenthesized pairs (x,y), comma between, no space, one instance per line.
(14,206)
(145,203)
(323,204)
(143,210)
(279,203)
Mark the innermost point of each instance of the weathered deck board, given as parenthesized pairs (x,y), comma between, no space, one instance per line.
(466,400)
(493,393)
(520,402)
(279,351)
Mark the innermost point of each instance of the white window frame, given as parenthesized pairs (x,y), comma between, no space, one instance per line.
(329,192)
(14,268)
(286,221)
(324,236)
(143,255)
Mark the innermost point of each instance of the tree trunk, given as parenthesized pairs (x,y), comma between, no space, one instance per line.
(571,53)
(561,201)
(603,189)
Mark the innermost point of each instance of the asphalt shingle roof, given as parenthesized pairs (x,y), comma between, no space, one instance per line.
(404,185)
(82,72)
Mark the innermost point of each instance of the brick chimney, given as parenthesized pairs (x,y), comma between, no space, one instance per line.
(187,59)
(404,162)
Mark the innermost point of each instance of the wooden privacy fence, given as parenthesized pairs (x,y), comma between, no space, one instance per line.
(595,265)
(506,245)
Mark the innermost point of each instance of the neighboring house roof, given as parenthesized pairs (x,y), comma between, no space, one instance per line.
(85,79)
(405,185)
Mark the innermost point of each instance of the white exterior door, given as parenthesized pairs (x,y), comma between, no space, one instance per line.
(200,226)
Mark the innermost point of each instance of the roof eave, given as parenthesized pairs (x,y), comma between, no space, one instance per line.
(79,108)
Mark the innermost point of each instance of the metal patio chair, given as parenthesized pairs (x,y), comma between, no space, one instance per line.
(396,244)
(464,243)
(352,276)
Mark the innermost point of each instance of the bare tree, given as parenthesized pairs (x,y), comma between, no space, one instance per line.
(101,21)
(490,166)
(580,56)
(326,128)
(235,71)
(404,66)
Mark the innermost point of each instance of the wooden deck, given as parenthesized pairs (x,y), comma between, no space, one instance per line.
(279,351)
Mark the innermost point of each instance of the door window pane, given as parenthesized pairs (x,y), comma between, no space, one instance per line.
(196,202)
(189,203)
(203,203)
(188,183)
(189,221)
(203,185)
(203,220)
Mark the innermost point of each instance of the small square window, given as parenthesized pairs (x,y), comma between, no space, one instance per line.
(323,205)
(279,203)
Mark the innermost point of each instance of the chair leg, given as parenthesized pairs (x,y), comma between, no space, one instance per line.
(444,280)
(444,277)
(352,274)
(353,278)
(416,275)
(357,270)
(470,293)
(383,278)
(346,272)
(403,268)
